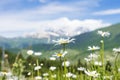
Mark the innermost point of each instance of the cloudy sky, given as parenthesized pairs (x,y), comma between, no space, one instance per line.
(18,17)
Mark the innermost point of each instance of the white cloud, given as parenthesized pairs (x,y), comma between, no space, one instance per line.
(41,12)
(60,26)
(73,27)
(38,19)
(55,8)
(108,12)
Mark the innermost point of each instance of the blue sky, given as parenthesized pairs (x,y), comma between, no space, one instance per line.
(18,17)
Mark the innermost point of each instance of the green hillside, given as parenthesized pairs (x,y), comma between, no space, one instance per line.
(92,38)
(78,50)
(20,42)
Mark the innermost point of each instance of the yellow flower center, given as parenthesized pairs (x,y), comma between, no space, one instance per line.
(59,54)
(63,41)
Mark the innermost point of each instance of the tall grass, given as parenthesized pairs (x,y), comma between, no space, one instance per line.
(95,67)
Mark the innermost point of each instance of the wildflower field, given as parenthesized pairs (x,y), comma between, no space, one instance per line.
(95,66)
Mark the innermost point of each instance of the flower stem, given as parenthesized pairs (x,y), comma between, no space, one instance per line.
(102,56)
(38,73)
(116,66)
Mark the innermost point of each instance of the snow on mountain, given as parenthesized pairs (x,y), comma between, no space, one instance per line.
(64,27)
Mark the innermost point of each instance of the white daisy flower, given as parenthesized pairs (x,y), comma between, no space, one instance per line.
(52,58)
(93,56)
(98,63)
(87,59)
(69,74)
(30,52)
(93,48)
(34,64)
(81,69)
(66,63)
(45,74)
(37,68)
(60,54)
(92,73)
(118,69)
(37,53)
(29,73)
(104,34)
(29,64)
(41,64)
(108,77)
(38,78)
(101,41)
(62,41)
(74,76)
(116,50)
(52,68)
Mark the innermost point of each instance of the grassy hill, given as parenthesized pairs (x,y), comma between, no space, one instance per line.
(20,42)
(92,38)
(77,50)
